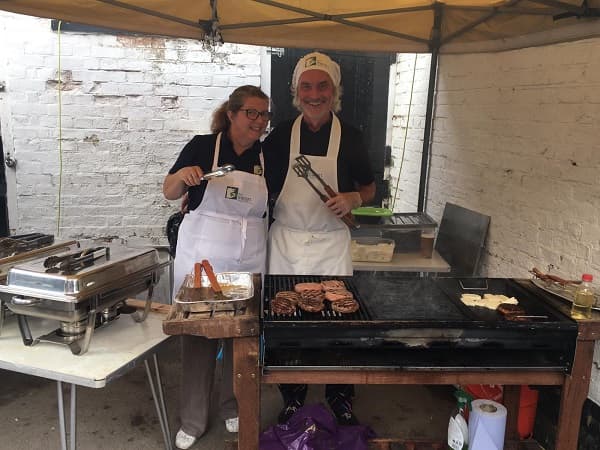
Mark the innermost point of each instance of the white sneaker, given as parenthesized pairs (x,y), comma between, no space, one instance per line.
(183,440)
(233,424)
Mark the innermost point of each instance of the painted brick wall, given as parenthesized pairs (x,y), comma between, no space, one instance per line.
(129,104)
(408,120)
(516,137)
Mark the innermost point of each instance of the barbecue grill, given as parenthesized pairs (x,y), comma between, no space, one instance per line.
(17,249)
(83,290)
(417,323)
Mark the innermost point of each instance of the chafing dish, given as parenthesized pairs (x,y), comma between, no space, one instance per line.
(82,290)
(17,249)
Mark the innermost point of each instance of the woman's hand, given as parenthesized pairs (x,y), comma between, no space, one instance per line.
(343,203)
(190,176)
(177,184)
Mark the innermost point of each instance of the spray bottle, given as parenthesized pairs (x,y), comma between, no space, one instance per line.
(458,431)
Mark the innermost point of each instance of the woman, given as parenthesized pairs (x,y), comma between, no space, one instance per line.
(226,225)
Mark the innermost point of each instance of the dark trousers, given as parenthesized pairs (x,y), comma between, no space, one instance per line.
(339,396)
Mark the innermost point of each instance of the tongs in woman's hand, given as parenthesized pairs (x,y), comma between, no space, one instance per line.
(302,167)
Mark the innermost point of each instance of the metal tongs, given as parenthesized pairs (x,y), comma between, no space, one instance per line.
(72,262)
(302,169)
(218,172)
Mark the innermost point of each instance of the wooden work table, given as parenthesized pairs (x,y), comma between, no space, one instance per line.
(248,376)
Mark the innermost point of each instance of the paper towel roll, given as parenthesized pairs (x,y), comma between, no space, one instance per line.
(487,422)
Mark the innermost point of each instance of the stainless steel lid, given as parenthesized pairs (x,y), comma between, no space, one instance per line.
(86,273)
(10,261)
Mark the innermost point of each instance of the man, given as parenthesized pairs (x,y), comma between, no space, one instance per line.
(307,235)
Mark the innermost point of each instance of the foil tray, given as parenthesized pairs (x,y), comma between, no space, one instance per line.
(566,292)
(237,286)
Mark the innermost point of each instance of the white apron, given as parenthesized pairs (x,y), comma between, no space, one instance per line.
(306,237)
(227,228)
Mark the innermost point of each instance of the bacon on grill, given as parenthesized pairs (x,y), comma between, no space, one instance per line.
(333,285)
(311,301)
(338,295)
(301,287)
(283,306)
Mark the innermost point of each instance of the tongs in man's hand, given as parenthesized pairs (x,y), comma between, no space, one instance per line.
(302,167)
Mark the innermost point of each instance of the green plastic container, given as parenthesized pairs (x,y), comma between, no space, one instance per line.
(371,214)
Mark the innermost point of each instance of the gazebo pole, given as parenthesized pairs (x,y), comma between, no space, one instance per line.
(426,155)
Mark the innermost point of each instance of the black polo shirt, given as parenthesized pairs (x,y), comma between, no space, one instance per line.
(200,151)
(353,166)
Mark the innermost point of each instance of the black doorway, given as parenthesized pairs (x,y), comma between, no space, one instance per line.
(365,80)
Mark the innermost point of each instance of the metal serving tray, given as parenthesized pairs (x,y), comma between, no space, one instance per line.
(116,270)
(237,286)
(566,292)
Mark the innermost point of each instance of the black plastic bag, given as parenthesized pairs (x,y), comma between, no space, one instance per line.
(172,230)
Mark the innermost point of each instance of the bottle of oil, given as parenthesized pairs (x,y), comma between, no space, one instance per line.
(458,431)
(584,299)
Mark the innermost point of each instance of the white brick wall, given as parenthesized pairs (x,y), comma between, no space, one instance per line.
(408,120)
(516,137)
(129,104)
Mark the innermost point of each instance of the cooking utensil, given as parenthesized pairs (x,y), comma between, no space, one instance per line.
(218,172)
(302,171)
(548,277)
(305,163)
(71,262)
(196,292)
(216,287)
(198,275)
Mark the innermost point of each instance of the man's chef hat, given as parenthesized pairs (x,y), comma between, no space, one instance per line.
(317,61)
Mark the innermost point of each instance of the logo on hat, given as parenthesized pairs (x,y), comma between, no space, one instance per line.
(312,61)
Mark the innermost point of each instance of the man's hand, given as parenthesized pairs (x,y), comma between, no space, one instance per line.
(343,203)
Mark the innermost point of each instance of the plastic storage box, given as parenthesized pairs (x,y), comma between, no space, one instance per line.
(403,228)
(372,249)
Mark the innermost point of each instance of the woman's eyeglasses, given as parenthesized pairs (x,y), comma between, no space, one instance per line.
(253,114)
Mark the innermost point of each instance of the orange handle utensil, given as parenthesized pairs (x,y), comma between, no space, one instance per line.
(198,275)
(211,276)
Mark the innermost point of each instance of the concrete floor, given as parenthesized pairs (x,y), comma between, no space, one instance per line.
(122,415)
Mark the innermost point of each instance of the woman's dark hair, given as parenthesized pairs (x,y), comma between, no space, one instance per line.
(220,121)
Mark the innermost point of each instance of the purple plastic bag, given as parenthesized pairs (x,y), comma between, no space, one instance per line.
(313,427)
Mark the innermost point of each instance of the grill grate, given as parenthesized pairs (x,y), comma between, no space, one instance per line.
(277,283)
(411,219)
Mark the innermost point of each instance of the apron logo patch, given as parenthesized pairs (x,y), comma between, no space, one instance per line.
(233,193)
(258,170)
